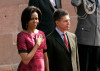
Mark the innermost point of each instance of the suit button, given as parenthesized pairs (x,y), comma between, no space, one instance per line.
(97,26)
(82,28)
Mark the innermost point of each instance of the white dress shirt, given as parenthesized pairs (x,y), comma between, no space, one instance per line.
(61,34)
(53,4)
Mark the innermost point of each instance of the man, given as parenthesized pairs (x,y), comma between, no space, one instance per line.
(62,45)
(88,32)
(47,8)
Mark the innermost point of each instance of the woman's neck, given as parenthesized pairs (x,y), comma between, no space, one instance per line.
(31,31)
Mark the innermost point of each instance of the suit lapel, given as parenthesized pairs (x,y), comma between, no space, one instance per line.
(60,41)
(70,41)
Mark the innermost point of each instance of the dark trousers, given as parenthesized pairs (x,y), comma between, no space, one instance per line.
(87,57)
(98,57)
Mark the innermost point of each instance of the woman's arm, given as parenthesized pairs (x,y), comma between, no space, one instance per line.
(26,57)
(46,62)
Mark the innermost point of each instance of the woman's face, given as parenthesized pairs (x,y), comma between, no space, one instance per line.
(32,24)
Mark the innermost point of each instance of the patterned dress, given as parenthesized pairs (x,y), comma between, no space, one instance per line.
(25,43)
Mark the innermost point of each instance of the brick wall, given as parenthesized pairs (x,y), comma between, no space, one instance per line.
(10,13)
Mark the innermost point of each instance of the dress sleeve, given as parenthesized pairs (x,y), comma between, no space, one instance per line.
(21,44)
(45,45)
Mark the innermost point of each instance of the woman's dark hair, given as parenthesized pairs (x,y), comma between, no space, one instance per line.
(26,15)
(59,13)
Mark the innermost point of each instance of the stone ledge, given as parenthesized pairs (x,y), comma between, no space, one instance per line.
(5,68)
(12,67)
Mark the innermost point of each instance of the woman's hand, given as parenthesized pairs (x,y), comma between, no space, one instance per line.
(26,57)
(39,39)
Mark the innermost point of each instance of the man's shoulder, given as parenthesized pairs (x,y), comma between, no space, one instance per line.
(50,35)
(71,34)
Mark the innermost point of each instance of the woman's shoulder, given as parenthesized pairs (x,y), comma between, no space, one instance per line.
(41,32)
(21,34)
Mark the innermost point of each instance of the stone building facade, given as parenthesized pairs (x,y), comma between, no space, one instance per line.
(10,25)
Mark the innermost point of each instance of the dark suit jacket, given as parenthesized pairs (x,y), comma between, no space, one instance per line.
(59,57)
(47,24)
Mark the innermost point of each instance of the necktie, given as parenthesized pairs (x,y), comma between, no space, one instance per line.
(66,42)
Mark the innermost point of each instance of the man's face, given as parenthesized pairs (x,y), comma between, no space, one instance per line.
(64,23)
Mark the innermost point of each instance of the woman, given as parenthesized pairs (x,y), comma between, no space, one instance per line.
(31,42)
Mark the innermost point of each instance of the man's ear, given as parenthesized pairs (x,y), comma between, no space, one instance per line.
(56,22)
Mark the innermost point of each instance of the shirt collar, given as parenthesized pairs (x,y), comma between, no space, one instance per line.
(60,33)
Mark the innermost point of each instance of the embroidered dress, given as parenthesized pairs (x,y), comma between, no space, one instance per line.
(25,43)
